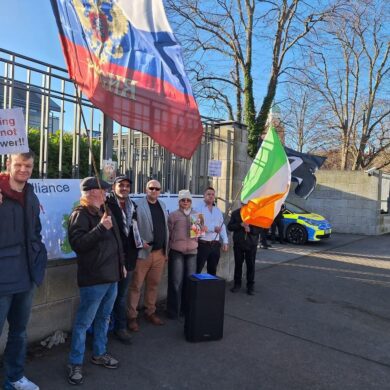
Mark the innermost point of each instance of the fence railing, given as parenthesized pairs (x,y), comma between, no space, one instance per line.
(50,103)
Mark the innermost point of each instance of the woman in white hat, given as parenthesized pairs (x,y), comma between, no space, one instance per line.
(183,247)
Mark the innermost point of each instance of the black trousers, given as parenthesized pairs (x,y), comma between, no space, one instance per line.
(263,236)
(278,223)
(249,256)
(208,252)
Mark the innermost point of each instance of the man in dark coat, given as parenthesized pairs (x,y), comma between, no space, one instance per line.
(245,240)
(95,238)
(123,209)
(23,260)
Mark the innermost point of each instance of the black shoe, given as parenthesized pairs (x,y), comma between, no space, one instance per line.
(283,242)
(264,246)
(250,291)
(235,289)
(123,336)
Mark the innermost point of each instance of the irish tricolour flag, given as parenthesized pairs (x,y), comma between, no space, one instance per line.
(267,183)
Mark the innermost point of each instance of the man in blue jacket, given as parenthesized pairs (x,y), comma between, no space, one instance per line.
(23,260)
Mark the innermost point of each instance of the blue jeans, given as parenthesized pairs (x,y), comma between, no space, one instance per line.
(96,303)
(16,308)
(120,305)
(180,266)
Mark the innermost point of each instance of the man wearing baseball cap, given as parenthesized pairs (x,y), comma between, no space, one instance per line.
(123,210)
(95,238)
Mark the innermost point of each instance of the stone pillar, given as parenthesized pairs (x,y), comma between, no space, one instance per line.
(230,146)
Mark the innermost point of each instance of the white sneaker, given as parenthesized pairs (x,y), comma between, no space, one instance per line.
(24,384)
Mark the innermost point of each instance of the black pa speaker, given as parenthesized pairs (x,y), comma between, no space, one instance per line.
(205,309)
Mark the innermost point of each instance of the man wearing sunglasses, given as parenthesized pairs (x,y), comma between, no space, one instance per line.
(152,220)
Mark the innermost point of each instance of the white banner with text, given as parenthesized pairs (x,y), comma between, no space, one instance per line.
(58,197)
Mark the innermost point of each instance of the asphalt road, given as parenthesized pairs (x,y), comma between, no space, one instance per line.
(320,319)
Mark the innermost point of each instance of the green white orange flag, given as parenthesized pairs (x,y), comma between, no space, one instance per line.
(267,183)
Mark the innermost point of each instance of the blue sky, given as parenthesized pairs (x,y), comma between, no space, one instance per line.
(28,27)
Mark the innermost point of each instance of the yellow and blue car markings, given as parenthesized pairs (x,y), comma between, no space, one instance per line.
(315,225)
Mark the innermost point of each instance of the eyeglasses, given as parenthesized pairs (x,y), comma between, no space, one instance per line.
(154,189)
(185,200)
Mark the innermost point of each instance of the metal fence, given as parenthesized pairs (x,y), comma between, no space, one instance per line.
(50,103)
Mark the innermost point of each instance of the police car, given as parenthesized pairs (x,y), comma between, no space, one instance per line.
(301,226)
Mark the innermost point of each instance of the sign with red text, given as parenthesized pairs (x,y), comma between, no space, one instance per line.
(13,138)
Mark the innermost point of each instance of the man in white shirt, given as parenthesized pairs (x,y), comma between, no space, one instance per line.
(209,249)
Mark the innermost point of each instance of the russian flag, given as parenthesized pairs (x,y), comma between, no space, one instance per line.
(126,60)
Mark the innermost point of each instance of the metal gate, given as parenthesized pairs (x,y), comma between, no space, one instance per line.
(54,113)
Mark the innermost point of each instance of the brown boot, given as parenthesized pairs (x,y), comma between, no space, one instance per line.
(132,324)
(154,319)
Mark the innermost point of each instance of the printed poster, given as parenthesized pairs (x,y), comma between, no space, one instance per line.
(13,138)
(197,228)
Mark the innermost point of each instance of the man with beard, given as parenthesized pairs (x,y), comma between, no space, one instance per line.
(124,211)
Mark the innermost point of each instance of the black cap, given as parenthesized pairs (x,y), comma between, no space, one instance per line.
(91,183)
(118,179)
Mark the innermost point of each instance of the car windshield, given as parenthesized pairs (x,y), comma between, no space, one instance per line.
(295,209)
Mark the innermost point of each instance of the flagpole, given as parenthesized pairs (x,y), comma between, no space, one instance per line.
(224,219)
(87,132)
(231,205)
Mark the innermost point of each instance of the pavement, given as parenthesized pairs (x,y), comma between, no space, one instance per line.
(320,319)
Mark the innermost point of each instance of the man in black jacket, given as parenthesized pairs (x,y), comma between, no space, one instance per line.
(94,236)
(123,209)
(23,260)
(245,240)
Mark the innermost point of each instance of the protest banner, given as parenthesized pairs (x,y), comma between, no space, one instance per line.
(13,138)
(58,197)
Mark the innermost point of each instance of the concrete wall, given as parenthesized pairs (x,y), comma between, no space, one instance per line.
(55,302)
(351,201)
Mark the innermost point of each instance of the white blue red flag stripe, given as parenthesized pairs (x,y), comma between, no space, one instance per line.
(126,60)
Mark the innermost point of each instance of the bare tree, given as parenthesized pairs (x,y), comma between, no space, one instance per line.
(295,19)
(350,72)
(305,119)
(218,36)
